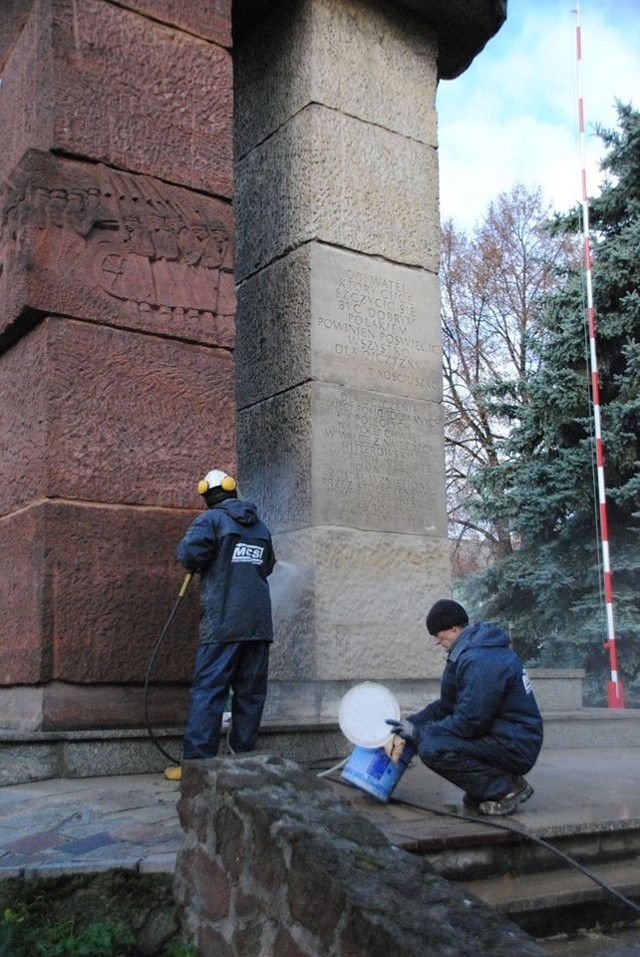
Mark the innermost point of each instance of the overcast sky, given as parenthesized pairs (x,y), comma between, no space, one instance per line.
(513,115)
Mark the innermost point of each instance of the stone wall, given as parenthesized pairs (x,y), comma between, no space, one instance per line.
(117,329)
(117,332)
(274,863)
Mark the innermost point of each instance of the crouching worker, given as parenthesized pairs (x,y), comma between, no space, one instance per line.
(485,731)
(231,548)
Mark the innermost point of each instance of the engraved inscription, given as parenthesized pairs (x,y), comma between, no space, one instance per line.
(381,457)
(375,319)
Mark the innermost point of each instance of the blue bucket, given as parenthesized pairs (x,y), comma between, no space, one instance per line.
(373,771)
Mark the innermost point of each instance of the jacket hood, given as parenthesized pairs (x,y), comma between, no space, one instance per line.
(245,513)
(481,634)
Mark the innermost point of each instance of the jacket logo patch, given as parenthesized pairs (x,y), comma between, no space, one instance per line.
(248,553)
(526,681)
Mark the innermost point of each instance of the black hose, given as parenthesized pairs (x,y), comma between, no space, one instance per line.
(152,661)
(523,832)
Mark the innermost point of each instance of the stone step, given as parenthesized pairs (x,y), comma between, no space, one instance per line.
(37,755)
(483,849)
(592,728)
(564,900)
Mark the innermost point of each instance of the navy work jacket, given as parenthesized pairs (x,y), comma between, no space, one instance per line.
(231,548)
(485,691)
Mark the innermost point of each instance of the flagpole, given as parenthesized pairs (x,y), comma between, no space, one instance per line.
(615,690)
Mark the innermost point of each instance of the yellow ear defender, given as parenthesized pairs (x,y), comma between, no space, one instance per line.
(227,483)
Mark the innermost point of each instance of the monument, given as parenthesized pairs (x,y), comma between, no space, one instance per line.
(126,226)
(338,356)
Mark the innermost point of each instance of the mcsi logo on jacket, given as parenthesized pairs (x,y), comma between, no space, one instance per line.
(247,553)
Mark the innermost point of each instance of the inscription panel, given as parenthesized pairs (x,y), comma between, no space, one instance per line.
(378,462)
(375,325)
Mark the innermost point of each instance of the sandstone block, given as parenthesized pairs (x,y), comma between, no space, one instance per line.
(326,455)
(350,605)
(376,64)
(341,181)
(330,315)
(87,241)
(99,81)
(86,590)
(101,414)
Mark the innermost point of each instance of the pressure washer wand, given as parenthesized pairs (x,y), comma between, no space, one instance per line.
(152,661)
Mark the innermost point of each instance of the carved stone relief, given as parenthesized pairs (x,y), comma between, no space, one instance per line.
(147,247)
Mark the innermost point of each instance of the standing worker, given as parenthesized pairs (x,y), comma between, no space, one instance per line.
(485,731)
(231,548)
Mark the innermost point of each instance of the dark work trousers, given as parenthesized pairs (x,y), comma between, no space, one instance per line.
(480,766)
(241,666)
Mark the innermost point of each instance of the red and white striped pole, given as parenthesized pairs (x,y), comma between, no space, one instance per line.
(615,690)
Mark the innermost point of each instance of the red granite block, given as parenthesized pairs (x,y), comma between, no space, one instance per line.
(95,80)
(66,705)
(86,241)
(25,653)
(85,599)
(210,19)
(141,96)
(98,414)
(25,104)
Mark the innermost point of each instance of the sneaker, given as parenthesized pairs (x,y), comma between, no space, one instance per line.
(509,803)
(173,774)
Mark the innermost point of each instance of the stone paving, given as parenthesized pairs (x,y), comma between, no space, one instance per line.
(73,824)
(67,825)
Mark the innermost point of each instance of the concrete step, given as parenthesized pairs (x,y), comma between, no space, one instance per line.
(564,900)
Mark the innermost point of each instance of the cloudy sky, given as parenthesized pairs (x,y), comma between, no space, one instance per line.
(513,115)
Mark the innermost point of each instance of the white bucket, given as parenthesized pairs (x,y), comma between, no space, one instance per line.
(373,771)
(363,712)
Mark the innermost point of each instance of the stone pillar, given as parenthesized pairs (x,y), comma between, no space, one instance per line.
(116,334)
(340,435)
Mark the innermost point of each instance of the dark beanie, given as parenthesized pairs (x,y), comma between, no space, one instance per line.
(445,614)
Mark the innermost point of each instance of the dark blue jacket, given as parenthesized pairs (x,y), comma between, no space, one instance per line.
(231,548)
(485,691)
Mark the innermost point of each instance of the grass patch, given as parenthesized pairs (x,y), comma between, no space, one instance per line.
(115,914)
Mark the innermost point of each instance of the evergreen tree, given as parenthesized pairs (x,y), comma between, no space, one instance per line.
(547,589)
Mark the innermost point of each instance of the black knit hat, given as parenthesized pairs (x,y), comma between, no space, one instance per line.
(445,614)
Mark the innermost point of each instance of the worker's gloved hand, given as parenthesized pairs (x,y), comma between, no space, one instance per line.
(404,729)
